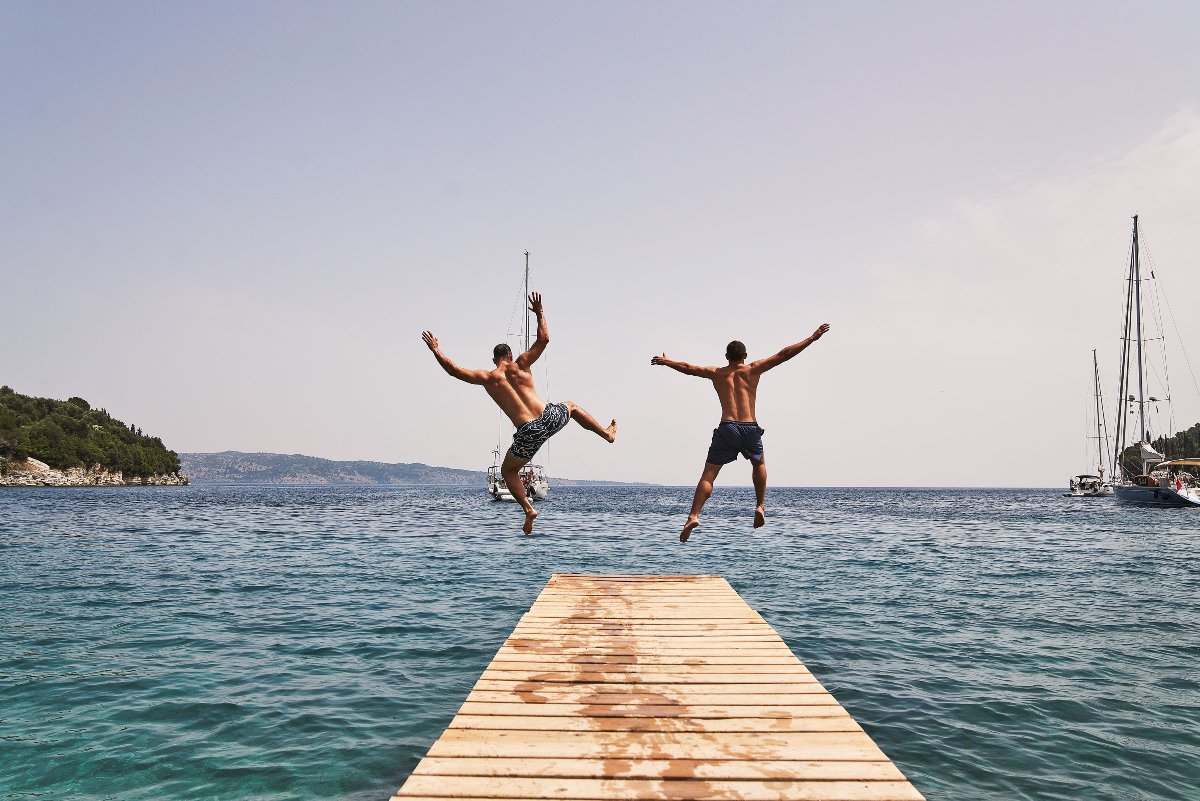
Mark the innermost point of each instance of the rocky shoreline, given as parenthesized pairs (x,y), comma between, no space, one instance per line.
(32,473)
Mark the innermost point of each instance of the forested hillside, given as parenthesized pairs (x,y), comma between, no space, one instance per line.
(71,433)
(1182,445)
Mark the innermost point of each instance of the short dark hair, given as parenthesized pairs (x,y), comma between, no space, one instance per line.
(501,351)
(735,350)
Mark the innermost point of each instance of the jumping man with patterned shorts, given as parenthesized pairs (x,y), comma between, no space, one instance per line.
(511,386)
(739,432)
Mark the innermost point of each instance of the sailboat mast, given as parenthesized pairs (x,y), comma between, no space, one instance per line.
(1096,381)
(527,300)
(1137,273)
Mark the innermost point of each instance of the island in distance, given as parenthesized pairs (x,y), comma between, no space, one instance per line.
(66,443)
(233,467)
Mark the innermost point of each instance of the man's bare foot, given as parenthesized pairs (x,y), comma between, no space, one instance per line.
(759,517)
(691,525)
(610,433)
(530,516)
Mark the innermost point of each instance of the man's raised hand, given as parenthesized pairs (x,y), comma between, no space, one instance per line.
(430,340)
(820,332)
(659,359)
(535,302)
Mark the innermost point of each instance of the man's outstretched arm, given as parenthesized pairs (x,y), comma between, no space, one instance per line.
(684,367)
(470,376)
(762,365)
(543,335)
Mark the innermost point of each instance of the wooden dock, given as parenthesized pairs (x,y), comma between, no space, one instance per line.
(650,687)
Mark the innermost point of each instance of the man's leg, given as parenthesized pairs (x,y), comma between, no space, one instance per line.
(703,490)
(587,421)
(760,492)
(510,468)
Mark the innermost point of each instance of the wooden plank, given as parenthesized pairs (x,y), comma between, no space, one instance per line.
(650,687)
(700,710)
(679,675)
(655,745)
(624,618)
(629,620)
(636,789)
(642,644)
(511,657)
(648,608)
(659,662)
(646,789)
(801,684)
(632,677)
(621,696)
(560,629)
(557,646)
(620,683)
(673,637)
(601,636)
(532,693)
(618,618)
(695,667)
(628,601)
(649,655)
(677,637)
(662,769)
(512,660)
(638,603)
(831,719)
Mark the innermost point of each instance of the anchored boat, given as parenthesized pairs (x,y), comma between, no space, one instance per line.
(1087,485)
(532,476)
(1161,481)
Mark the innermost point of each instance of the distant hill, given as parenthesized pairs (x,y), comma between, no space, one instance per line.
(233,467)
(71,434)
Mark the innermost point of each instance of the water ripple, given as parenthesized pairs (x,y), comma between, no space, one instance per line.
(311,643)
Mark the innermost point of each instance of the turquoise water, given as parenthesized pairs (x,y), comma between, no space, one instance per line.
(302,643)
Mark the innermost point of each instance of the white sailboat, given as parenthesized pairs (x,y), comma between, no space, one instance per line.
(1160,482)
(1087,485)
(533,476)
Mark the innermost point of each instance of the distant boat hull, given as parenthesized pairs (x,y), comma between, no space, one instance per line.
(535,492)
(536,485)
(1088,486)
(1155,496)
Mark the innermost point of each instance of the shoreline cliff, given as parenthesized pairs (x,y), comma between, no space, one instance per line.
(33,473)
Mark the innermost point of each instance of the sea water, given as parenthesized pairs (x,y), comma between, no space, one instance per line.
(311,643)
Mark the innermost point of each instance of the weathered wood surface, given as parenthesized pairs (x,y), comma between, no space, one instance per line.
(650,687)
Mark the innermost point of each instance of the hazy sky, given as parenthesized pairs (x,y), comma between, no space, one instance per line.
(228,223)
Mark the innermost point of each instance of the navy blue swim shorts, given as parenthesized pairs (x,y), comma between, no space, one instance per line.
(533,435)
(731,438)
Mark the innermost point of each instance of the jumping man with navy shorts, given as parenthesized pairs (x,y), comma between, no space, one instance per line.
(511,386)
(739,432)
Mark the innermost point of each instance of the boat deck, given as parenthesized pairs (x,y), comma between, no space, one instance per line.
(651,687)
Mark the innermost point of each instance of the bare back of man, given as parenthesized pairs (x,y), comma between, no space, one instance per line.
(510,385)
(738,432)
(737,389)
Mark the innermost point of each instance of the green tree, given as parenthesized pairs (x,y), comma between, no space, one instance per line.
(72,434)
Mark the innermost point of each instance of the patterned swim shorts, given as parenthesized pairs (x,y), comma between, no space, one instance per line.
(533,435)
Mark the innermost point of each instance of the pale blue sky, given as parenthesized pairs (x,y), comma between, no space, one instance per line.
(229,222)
